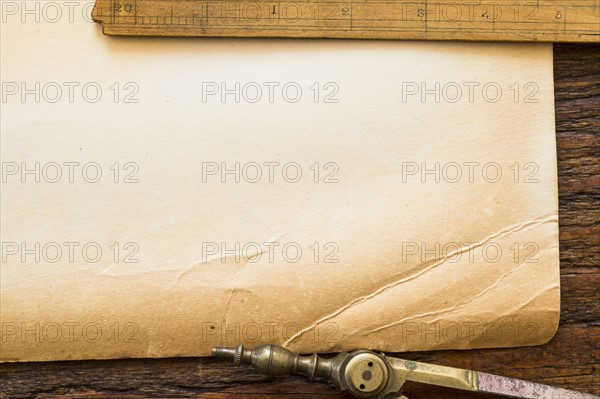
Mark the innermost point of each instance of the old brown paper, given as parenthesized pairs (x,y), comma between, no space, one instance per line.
(161,197)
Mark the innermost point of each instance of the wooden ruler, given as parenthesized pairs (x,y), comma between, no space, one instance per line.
(499,20)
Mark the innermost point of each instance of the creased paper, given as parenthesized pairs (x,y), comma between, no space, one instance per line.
(164,196)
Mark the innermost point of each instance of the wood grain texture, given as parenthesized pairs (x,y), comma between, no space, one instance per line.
(571,360)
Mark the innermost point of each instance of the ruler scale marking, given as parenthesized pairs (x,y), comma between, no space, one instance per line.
(577,21)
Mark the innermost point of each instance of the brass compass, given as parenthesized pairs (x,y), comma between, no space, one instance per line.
(367,374)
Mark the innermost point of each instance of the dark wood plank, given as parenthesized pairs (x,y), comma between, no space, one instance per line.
(570,360)
(561,363)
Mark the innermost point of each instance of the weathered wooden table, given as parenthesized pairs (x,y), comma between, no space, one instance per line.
(570,360)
